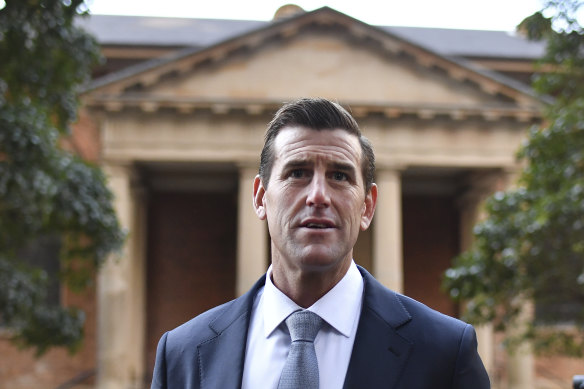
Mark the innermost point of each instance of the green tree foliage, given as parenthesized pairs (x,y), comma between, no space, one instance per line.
(531,244)
(44,189)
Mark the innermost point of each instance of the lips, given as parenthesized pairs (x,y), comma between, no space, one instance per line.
(317,224)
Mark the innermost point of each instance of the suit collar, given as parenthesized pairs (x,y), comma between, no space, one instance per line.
(221,357)
(380,352)
(383,301)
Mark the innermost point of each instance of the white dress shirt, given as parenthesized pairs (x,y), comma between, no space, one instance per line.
(268,339)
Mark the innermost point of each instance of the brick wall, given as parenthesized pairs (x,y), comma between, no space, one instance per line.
(430,230)
(20,369)
(191,259)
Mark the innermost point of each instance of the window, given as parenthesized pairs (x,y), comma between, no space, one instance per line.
(43,253)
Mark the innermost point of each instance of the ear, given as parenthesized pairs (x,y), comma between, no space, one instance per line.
(258,197)
(369,207)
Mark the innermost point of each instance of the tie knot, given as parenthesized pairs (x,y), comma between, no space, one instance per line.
(303,325)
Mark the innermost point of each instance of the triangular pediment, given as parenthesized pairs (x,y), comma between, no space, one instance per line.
(321,53)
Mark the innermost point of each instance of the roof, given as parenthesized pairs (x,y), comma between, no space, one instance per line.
(164,31)
(118,89)
(192,32)
(471,43)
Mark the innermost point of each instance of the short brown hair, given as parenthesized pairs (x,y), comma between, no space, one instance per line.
(316,114)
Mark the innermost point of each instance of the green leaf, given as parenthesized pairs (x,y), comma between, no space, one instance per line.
(531,243)
(44,189)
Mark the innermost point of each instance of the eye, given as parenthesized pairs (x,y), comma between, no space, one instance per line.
(340,176)
(297,173)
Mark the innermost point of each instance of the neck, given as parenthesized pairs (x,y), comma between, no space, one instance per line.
(307,287)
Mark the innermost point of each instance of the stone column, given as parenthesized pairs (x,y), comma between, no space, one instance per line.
(138,287)
(521,364)
(470,206)
(251,234)
(121,306)
(521,361)
(387,230)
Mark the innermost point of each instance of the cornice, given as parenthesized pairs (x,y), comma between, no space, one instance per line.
(148,74)
(389,110)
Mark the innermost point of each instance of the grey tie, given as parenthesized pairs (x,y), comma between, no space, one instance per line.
(301,368)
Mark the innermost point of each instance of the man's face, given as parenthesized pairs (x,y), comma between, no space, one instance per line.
(315,203)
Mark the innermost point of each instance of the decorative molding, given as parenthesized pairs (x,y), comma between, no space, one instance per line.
(148,74)
(390,110)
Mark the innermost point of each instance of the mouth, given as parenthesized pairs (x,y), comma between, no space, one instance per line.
(317,224)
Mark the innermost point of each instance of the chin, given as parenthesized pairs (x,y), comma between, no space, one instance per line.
(316,261)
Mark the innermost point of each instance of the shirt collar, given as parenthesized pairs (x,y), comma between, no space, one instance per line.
(347,293)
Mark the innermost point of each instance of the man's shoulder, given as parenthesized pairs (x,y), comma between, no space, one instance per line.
(197,329)
(398,309)
(211,323)
(428,328)
(423,313)
(442,347)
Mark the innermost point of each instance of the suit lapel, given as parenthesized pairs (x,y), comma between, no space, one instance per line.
(380,353)
(221,358)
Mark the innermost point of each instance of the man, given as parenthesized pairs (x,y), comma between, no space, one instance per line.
(315,190)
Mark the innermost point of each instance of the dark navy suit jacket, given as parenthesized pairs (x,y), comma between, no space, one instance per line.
(400,344)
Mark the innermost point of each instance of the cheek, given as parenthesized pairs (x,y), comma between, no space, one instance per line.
(276,207)
(357,204)
(358,209)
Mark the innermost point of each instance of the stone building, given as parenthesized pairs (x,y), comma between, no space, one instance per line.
(176,117)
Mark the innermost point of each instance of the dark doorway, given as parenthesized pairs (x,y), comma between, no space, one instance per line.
(191,258)
(430,236)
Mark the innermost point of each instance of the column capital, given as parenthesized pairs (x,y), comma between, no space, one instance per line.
(245,165)
(117,163)
(251,233)
(381,167)
(479,185)
(248,170)
(387,230)
(120,291)
(511,175)
(125,169)
(120,169)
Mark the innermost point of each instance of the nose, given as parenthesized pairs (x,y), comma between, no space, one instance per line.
(318,192)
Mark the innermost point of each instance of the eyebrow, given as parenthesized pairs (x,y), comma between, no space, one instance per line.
(300,163)
(296,163)
(345,167)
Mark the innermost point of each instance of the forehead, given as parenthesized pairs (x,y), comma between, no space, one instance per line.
(307,144)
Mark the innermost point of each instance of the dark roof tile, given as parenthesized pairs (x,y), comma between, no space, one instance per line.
(471,43)
(163,31)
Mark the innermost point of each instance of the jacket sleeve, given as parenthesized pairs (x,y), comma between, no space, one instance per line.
(159,375)
(470,371)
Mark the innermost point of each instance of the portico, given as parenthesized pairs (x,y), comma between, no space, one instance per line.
(181,142)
